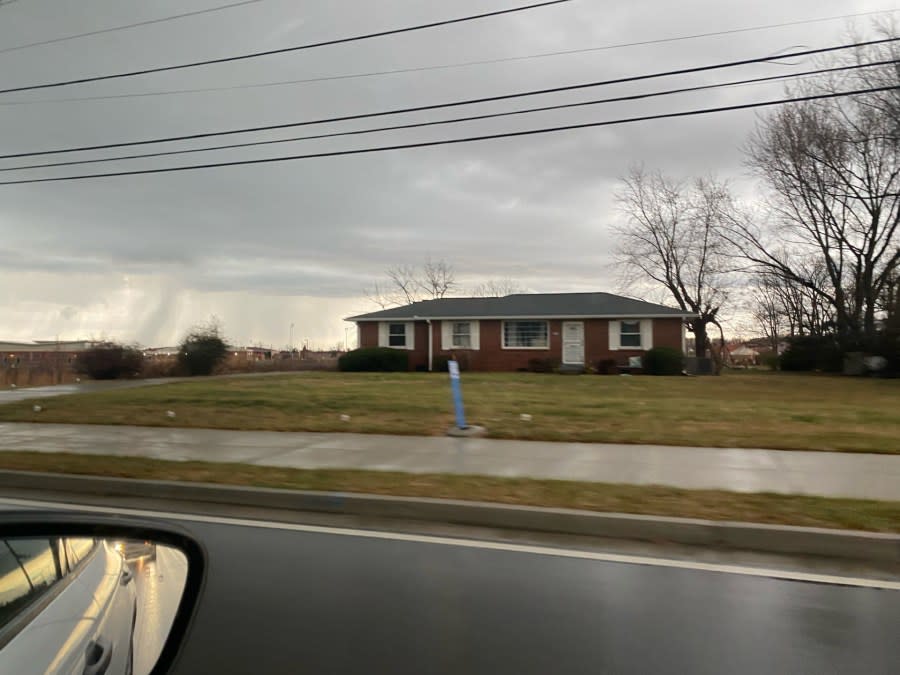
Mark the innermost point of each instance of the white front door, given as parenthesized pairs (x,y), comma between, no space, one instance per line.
(573,343)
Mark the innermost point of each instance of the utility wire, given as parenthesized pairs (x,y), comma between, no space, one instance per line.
(444,66)
(454,141)
(456,120)
(282,50)
(149,22)
(451,104)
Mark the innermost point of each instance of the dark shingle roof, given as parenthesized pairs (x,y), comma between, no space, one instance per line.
(526,305)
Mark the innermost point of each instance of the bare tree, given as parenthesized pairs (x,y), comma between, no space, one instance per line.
(832,169)
(783,308)
(382,295)
(497,288)
(767,310)
(438,279)
(889,300)
(671,238)
(406,284)
(886,101)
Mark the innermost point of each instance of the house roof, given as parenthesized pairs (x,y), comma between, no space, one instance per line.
(527,306)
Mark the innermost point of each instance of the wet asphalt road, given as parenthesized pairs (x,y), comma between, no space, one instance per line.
(281,601)
(159,584)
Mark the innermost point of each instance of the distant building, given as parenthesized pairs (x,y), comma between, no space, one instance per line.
(160,353)
(244,354)
(46,352)
(744,355)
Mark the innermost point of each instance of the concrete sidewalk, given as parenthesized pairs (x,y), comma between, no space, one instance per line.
(831,474)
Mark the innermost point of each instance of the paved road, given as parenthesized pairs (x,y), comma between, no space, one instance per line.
(285,599)
(11,395)
(832,474)
(406,607)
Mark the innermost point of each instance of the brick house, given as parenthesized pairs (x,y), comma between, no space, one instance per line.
(577,330)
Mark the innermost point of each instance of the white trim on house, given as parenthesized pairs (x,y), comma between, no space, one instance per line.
(430,344)
(538,349)
(409,332)
(646,334)
(615,335)
(447,335)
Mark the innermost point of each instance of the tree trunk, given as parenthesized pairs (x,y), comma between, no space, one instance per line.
(699,338)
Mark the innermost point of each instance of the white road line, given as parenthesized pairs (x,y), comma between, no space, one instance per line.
(788,575)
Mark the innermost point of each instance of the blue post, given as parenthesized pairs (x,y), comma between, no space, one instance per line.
(456,390)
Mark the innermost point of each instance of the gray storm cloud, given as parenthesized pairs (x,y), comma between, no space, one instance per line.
(305,238)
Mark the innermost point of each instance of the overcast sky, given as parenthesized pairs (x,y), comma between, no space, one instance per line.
(142,258)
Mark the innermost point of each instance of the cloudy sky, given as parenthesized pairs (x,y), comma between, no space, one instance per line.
(142,258)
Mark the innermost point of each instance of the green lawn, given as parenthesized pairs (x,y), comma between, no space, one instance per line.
(855,514)
(753,409)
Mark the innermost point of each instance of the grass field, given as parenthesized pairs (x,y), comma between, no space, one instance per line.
(768,410)
(856,514)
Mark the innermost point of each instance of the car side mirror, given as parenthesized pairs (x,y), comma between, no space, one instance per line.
(81,593)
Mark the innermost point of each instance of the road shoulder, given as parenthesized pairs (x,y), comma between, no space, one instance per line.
(848,545)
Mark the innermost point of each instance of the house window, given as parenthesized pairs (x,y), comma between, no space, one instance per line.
(461,335)
(397,335)
(525,335)
(630,334)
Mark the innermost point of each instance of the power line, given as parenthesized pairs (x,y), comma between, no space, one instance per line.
(451,104)
(283,50)
(445,66)
(454,141)
(456,120)
(163,19)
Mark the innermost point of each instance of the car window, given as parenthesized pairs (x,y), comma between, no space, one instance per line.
(77,550)
(14,587)
(27,570)
(37,560)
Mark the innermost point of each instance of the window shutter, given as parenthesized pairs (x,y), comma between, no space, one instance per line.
(613,336)
(476,339)
(446,335)
(647,334)
(382,334)
(410,335)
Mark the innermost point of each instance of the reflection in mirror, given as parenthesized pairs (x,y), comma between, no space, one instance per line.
(82,605)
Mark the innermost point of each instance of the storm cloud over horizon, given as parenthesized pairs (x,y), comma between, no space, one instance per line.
(142,258)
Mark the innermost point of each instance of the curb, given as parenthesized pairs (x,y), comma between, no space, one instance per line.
(849,544)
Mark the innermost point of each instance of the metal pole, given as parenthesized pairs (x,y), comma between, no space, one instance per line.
(456,393)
